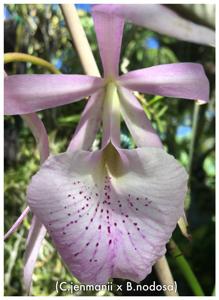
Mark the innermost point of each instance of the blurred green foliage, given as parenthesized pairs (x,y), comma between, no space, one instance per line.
(40,30)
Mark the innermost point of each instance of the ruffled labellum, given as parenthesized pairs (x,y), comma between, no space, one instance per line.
(109,214)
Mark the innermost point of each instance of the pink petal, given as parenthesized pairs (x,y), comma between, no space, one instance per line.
(18,222)
(181,80)
(161,19)
(108,218)
(136,120)
(109,29)
(37,231)
(30,93)
(35,237)
(39,132)
(89,123)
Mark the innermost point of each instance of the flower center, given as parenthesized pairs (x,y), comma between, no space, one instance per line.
(112,161)
(110,79)
(111,115)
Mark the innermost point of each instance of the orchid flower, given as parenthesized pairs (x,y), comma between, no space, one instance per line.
(110,212)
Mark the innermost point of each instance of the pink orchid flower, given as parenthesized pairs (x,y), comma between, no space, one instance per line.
(110,212)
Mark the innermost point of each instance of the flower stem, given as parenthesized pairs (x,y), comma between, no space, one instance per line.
(185,269)
(80,40)
(165,276)
(22,57)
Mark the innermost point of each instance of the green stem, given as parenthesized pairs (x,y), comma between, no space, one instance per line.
(22,57)
(194,133)
(185,269)
(192,146)
(154,100)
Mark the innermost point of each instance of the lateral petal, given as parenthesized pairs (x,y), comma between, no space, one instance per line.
(30,93)
(89,123)
(136,120)
(17,223)
(181,80)
(35,237)
(39,132)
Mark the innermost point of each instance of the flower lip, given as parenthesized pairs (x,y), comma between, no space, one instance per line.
(105,225)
